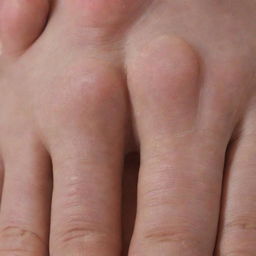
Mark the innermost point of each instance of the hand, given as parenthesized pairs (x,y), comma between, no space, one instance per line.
(189,69)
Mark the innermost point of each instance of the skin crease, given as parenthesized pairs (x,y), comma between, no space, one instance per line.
(86,86)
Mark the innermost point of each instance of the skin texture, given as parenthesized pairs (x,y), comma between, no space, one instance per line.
(87,85)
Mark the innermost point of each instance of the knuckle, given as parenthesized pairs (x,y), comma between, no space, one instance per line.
(95,93)
(233,230)
(180,237)
(21,241)
(177,63)
(171,234)
(95,89)
(166,73)
(85,234)
(241,223)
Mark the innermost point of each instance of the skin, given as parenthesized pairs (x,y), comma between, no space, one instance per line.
(85,83)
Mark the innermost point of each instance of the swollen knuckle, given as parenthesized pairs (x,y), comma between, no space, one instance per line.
(170,84)
(178,62)
(95,89)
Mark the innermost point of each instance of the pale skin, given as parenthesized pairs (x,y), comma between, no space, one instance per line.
(84,83)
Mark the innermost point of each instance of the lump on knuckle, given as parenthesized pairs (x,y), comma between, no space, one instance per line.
(93,92)
(166,58)
(166,72)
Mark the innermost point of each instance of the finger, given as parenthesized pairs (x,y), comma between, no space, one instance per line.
(21,23)
(238,219)
(25,209)
(87,160)
(182,155)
